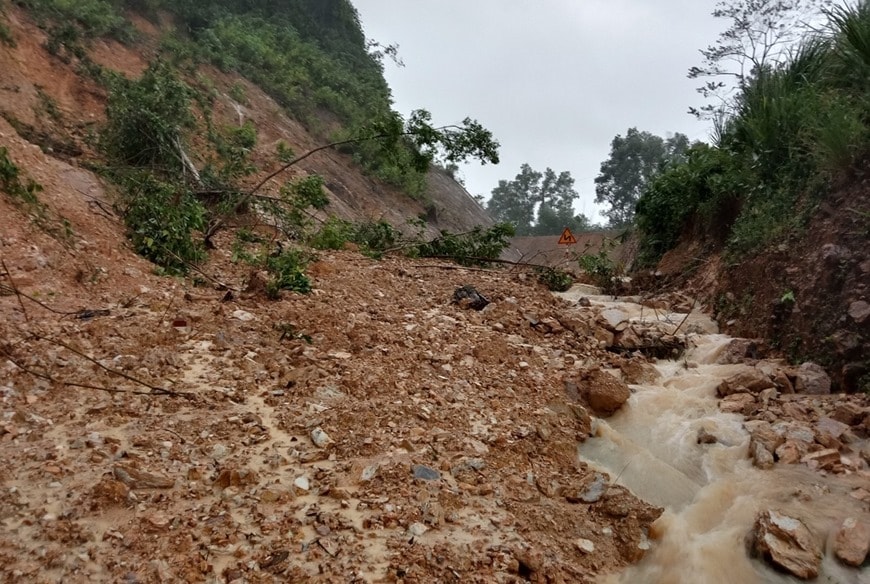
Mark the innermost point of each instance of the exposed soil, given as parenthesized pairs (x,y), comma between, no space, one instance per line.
(807,298)
(292,448)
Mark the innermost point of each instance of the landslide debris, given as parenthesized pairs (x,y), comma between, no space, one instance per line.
(394,436)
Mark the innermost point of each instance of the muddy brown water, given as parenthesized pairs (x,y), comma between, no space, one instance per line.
(711,492)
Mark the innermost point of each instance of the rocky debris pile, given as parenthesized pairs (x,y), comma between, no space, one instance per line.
(791,415)
(372,430)
(827,433)
(788,544)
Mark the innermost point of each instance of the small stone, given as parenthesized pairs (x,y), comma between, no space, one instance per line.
(705,437)
(302,483)
(369,473)
(219,451)
(243,315)
(584,545)
(417,529)
(320,438)
(859,311)
(852,542)
(425,473)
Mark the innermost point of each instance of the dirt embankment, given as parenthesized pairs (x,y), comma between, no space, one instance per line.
(51,104)
(808,298)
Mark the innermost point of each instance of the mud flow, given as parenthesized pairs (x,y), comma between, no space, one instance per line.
(711,492)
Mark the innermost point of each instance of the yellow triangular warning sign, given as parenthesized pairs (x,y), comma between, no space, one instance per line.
(567,238)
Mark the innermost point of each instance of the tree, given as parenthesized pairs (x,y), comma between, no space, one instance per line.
(514,201)
(537,203)
(760,35)
(634,160)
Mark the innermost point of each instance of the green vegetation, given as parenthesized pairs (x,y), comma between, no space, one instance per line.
(555,280)
(600,268)
(24,192)
(633,162)
(287,270)
(475,247)
(794,128)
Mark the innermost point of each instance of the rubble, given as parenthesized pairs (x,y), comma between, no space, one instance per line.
(787,543)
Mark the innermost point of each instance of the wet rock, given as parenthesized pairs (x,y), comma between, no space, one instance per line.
(852,542)
(859,311)
(783,383)
(705,437)
(422,472)
(614,319)
(792,451)
(137,479)
(830,427)
(738,351)
(787,543)
(748,379)
(849,413)
(762,432)
(591,492)
(812,379)
(603,392)
(468,297)
(761,456)
(636,373)
(738,403)
(824,459)
(320,438)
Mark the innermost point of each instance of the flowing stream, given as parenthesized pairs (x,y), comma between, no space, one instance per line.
(711,492)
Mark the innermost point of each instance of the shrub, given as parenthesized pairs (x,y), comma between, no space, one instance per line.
(161,218)
(145,118)
(287,269)
(555,280)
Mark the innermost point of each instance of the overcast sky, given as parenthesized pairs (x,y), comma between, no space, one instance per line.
(554,80)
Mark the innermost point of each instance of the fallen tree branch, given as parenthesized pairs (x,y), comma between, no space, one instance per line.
(15,289)
(21,295)
(454,267)
(155,390)
(48,377)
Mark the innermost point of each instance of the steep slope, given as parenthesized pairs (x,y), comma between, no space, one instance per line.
(53,103)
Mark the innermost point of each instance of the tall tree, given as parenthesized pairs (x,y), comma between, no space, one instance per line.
(537,203)
(514,201)
(634,160)
(760,35)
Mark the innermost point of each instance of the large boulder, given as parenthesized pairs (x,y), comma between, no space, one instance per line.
(787,543)
(603,392)
(812,379)
(747,380)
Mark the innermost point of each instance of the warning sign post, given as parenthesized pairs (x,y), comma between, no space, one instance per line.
(567,238)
